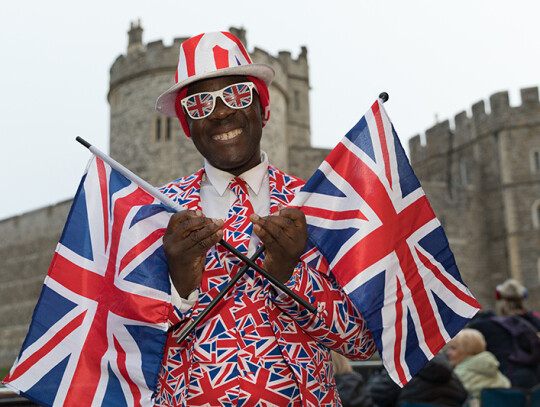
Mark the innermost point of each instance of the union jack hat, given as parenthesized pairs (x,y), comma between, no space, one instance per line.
(210,55)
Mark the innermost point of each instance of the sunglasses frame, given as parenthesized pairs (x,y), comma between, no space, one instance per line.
(215,94)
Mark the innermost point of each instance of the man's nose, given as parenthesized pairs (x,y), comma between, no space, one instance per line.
(221,111)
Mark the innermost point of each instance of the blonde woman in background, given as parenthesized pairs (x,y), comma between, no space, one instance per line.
(477,368)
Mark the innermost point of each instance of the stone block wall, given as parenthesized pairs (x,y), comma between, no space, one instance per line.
(480,178)
(27,245)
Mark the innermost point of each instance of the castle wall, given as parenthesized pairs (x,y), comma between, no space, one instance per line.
(274,140)
(306,160)
(480,180)
(27,244)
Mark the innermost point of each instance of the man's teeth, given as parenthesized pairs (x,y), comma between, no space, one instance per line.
(227,136)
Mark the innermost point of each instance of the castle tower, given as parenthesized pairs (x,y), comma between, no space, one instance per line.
(483,180)
(154,146)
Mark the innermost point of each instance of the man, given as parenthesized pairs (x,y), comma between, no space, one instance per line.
(257,346)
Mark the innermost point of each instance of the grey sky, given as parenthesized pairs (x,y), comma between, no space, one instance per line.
(433,58)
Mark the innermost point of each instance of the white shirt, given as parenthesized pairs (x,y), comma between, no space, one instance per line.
(217,198)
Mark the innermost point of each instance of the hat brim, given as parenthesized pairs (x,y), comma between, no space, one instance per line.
(165,102)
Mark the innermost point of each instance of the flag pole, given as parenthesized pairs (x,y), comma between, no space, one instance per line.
(164,199)
(177,207)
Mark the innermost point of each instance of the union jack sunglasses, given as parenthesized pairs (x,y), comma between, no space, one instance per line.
(236,96)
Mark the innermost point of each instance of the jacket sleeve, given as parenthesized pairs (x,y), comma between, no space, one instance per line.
(337,324)
(181,309)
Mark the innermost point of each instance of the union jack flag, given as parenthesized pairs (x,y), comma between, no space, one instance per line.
(200,104)
(369,217)
(238,95)
(100,325)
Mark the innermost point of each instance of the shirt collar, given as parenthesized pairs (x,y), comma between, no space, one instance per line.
(254,177)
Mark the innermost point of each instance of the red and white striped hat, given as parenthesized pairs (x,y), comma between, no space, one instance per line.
(211,55)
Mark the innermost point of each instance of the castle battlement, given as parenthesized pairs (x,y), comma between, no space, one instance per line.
(483,120)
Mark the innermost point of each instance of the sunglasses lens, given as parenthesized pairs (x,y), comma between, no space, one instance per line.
(199,105)
(237,96)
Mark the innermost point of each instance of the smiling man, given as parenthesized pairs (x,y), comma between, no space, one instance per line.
(257,346)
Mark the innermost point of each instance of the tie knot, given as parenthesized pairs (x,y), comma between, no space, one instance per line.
(238,186)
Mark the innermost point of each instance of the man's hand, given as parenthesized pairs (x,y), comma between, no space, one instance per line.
(285,235)
(188,237)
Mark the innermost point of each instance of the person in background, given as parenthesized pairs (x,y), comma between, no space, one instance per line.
(350,385)
(512,335)
(510,297)
(477,368)
(435,384)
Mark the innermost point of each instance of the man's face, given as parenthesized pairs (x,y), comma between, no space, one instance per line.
(228,138)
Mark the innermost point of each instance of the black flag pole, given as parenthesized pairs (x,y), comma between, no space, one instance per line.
(174,205)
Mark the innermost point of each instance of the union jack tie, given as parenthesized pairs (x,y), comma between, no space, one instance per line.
(238,227)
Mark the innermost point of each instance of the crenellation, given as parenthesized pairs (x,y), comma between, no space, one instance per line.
(285,57)
(416,149)
(463,129)
(296,68)
(479,111)
(461,121)
(155,57)
(438,138)
(500,104)
(240,33)
(261,56)
(529,97)
(155,46)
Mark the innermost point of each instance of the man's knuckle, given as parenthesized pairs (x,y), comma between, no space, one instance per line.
(205,244)
(192,222)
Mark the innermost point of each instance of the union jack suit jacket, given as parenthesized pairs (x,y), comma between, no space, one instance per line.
(304,339)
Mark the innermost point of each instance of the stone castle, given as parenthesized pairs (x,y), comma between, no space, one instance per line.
(482,177)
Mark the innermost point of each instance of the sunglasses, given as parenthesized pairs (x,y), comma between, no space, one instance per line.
(201,105)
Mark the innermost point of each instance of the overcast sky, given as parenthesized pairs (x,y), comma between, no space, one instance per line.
(434,58)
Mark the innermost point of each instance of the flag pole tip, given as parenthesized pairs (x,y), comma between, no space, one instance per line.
(384,97)
(83,142)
